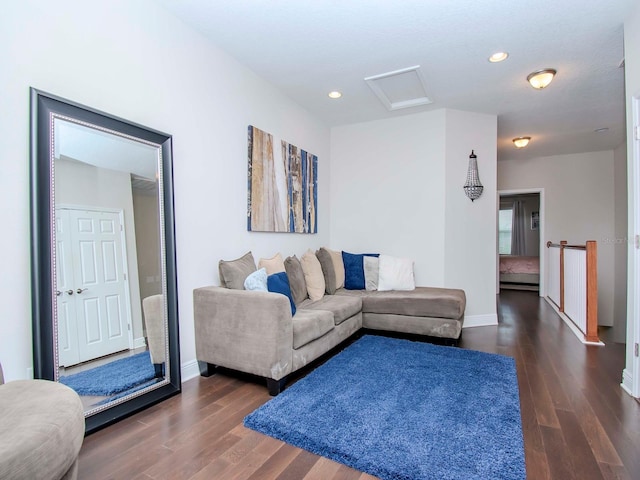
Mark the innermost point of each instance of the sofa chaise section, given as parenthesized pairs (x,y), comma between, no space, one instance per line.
(427,311)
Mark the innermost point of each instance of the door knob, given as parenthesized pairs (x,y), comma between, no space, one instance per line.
(70,292)
(80,290)
(58,293)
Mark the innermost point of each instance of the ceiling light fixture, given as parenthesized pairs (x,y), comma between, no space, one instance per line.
(521,142)
(334,94)
(541,78)
(498,57)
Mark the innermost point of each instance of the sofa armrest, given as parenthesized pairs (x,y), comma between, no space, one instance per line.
(244,330)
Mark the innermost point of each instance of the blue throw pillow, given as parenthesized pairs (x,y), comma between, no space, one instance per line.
(279,283)
(354,269)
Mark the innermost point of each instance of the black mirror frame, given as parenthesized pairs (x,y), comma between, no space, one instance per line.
(42,106)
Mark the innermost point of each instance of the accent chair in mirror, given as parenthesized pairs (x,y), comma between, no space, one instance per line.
(104,293)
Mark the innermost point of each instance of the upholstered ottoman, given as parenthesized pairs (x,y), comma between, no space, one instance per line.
(41,430)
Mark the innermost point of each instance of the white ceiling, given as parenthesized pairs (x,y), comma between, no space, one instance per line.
(308,48)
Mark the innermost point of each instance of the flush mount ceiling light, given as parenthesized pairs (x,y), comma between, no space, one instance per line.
(541,78)
(498,57)
(334,94)
(521,142)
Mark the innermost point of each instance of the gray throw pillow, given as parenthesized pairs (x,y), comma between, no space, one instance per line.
(233,273)
(371,267)
(298,285)
(328,270)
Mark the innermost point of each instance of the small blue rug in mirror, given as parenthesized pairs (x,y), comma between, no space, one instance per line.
(114,377)
(405,410)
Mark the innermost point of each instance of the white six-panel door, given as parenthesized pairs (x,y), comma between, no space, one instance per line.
(93,306)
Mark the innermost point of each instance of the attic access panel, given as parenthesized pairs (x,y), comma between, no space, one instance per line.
(402,88)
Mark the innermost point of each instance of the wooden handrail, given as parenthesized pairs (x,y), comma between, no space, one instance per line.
(591,334)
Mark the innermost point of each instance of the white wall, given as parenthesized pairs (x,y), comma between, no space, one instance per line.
(134,60)
(621,244)
(579,206)
(471,227)
(388,191)
(396,188)
(631,374)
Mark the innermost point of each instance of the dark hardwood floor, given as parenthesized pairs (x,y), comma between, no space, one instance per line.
(577,421)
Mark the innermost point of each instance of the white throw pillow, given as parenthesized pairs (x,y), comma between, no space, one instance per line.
(313,275)
(257,281)
(395,273)
(273,265)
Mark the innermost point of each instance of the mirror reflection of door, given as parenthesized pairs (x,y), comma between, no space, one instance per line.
(94,316)
(108,254)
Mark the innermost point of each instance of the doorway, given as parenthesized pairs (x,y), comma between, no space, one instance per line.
(520,241)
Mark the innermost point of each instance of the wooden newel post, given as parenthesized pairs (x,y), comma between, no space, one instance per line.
(592,292)
(562,244)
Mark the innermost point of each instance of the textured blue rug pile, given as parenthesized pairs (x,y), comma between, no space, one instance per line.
(405,410)
(115,377)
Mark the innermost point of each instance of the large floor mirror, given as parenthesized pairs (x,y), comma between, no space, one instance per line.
(104,300)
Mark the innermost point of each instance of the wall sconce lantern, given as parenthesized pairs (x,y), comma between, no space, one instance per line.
(473,188)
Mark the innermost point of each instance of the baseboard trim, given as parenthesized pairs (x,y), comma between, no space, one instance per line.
(486,320)
(627,382)
(572,326)
(189,370)
(139,342)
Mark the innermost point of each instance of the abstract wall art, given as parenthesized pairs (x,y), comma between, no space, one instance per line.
(282,186)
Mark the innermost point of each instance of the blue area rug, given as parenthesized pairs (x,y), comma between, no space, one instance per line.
(115,377)
(404,410)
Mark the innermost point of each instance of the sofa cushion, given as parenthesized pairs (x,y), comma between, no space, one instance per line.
(273,265)
(313,276)
(257,281)
(308,325)
(328,270)
(430,326)
(296,279)
(342,307)
(354,270)
(421,302)
(279,283)
(233,273)
(395,273)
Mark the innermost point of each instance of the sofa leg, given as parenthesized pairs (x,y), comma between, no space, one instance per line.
(206,369)
(158,369)
(275,386)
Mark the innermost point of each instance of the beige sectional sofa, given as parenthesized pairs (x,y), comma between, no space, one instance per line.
(255,332)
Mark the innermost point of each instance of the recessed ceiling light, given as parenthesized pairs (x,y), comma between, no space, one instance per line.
(521,142)
(541,78)
(601,130)
(334,94)
(498,57)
